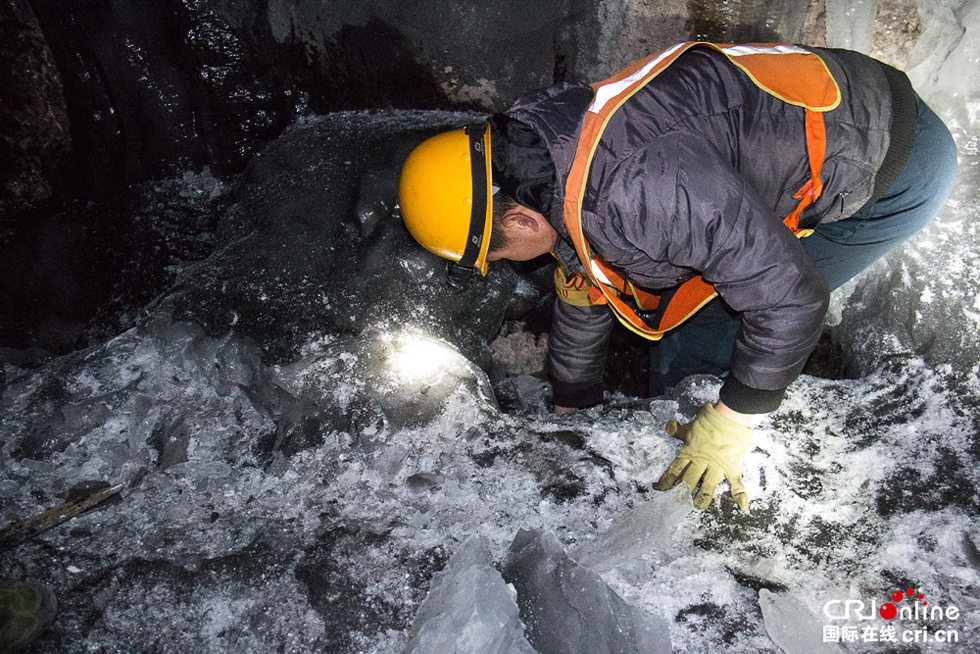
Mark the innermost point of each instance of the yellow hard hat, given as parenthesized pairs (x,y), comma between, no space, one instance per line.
(445,195)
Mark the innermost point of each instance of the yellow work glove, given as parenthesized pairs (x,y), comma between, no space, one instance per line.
(714,447)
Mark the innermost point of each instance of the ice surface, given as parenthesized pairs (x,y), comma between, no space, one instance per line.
(568,608)
(850,24)
(638,538)
(469,609)
(793,624)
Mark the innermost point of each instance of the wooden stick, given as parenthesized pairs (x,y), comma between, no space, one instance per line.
(31,527)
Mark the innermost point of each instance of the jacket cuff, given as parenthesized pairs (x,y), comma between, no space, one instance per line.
(576,396)
(745,399)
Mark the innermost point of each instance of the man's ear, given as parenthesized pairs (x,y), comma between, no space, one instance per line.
(515,218)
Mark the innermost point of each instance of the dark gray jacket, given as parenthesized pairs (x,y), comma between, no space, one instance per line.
(694,175)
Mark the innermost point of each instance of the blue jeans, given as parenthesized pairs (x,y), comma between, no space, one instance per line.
(840,249)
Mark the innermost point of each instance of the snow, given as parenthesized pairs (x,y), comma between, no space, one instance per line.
(857,486)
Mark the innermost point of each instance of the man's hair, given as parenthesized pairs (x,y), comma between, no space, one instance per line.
(502,203)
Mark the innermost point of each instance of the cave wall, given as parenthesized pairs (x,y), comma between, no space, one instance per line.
(33,110)
(99,94)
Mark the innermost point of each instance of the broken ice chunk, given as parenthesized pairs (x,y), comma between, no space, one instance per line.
(792,625)
(568,608)
(638,535)
(469,609)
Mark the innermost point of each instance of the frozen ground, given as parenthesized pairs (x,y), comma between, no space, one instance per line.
(309,501)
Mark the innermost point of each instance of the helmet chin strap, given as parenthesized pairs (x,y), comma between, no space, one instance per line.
(458,276)
(478,215)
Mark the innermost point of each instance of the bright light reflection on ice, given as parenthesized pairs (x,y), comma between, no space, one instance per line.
(420,359)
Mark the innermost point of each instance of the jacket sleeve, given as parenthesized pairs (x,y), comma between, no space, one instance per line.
(702,216)
(578,344)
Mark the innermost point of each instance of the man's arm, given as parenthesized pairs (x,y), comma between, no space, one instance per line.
(744,419)
(698,213)
(718,226)
(578,345)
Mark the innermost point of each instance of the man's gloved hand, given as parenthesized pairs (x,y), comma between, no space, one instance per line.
(714,447)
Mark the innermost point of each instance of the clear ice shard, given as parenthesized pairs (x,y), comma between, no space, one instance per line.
(569,608)
(638,535)
(469,609)
(793,626)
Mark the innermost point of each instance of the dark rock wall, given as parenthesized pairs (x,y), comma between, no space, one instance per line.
(33,111)
(157,87)
(118,92)
(154,87)
(98,94)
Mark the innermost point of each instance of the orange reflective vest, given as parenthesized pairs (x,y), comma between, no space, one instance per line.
(790,73)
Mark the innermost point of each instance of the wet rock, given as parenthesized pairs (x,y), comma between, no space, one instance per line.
(170,441)
(424,480)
